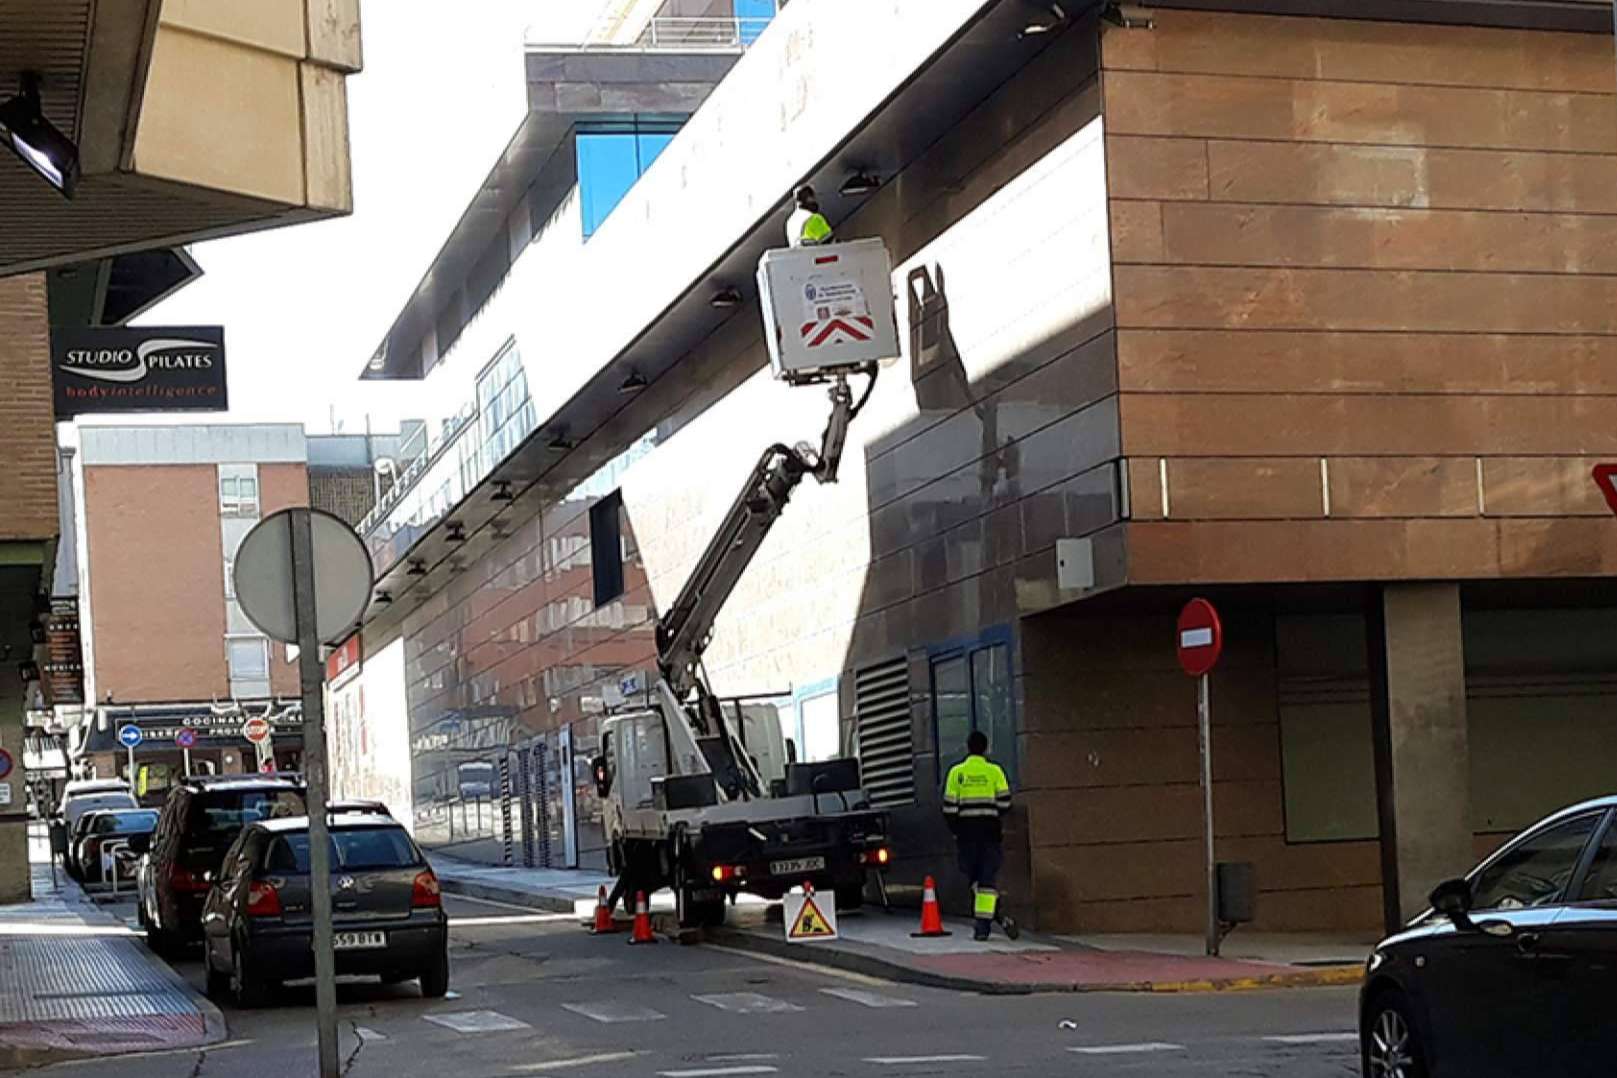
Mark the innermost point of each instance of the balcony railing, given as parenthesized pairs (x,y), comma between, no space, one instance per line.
(432,476)
(671,34)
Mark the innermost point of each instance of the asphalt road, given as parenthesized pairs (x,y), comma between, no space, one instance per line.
(538,997)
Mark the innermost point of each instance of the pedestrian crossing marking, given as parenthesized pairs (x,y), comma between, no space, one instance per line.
(868,999)
(477,1021)
(747,1003)
(811,923)
(614,1012)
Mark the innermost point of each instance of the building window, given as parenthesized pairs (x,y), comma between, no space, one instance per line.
(971,690)
(752,16)
(505,406)
(238,493)
(606,547)
(249,658)
(611,157)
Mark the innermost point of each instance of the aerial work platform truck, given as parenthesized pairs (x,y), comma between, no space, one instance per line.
(704,795)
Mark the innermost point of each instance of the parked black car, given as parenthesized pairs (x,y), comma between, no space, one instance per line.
(387,914)
(1513,969)
(199,821)
(95,830)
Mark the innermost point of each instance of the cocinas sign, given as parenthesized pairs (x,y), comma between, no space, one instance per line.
(149,369)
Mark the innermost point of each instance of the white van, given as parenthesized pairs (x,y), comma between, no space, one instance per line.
(89,795)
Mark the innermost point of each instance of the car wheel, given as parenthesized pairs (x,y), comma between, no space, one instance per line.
(218,982)
(435,978)
(248,990)
(163,944)
(850,896)
(1391,1045)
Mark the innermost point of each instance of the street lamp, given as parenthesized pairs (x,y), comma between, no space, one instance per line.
(36,140)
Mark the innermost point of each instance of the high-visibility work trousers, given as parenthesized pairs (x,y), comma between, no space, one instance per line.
(980,861)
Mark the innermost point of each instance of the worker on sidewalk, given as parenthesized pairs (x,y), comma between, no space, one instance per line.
(807,226)
(976,797)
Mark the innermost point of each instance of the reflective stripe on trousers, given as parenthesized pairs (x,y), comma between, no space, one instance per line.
(985,904)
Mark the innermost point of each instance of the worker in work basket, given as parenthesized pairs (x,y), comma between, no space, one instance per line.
(807,226)
(976,797)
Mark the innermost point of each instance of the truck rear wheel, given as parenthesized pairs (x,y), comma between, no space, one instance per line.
(697,908)
(850,896)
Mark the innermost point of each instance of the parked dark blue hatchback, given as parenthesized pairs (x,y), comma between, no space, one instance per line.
(387,916)
(1514,969)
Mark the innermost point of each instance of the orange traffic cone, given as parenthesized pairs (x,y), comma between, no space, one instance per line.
(931,913)
(642,921)
(603,916)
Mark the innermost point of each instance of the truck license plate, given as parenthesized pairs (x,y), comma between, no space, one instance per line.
(358,941)
(799,864)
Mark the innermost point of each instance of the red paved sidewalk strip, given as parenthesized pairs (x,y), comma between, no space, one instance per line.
(1133,971)
(881,945)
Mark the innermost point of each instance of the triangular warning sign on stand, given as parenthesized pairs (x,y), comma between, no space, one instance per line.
(808,922)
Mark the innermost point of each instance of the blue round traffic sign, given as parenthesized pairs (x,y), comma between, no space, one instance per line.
(186,738)
(5,763)
(129,735)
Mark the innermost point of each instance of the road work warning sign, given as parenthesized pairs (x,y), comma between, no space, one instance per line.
(810,918)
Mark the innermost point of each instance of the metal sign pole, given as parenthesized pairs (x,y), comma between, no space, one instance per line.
(133,787)
(311,677)
(187,754)
(1204,724)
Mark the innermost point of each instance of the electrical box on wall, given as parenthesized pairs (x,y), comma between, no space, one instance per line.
(828,309)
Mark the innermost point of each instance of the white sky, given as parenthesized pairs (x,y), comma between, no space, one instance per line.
(304,307)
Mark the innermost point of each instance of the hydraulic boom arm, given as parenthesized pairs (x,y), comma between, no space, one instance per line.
(684,630)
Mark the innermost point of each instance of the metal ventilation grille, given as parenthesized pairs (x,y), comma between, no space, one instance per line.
(882,711)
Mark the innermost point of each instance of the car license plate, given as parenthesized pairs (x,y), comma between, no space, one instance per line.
(358,941)
(800,864)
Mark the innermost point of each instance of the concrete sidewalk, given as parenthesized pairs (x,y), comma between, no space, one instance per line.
(76,983)
(552,889)
(879,944)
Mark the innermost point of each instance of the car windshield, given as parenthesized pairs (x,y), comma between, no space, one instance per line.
(226,812)
(219,815)
(77,807)
(351,850)
(123,823)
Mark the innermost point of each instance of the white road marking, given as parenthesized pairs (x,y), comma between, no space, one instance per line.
(747,1003)
(477,1021)
(614,1012)
(366,1034)
(717,1072)
(579,1061)
(1126,1049)
(1314,1038)
(899,1061)
(743,1057)
(868,999)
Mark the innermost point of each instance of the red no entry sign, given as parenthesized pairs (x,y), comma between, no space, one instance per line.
(256,730)
(1201,637)
(1605,476)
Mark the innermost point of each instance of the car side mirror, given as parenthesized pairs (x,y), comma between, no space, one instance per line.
(140,844)
(1453,898)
